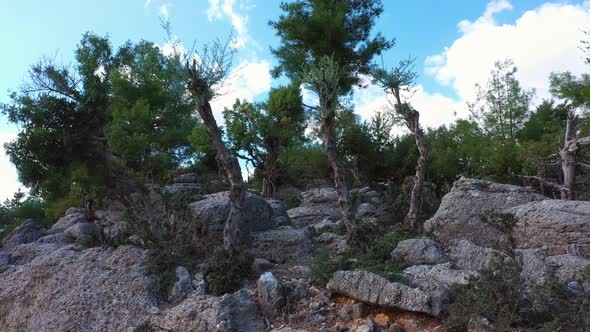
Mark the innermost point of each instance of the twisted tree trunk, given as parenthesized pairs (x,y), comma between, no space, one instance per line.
(412,118)
(237,193)
(329,140)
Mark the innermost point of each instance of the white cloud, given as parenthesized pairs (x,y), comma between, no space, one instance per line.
(541,41)
(435,109)
(248,80)
(147,3)
(173,47)
(8,181)
(220,8)
(165,10)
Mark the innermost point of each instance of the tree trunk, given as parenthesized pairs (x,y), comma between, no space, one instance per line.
(412,118)
(568,167)
(355,170)
(269,176)
(237,193)
(328,137)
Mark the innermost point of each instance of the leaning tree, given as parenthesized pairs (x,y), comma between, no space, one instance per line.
(395,82)
(64,115)
(328,44)
(206,73)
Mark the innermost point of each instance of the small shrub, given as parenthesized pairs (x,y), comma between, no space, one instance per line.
(324,265)
(370,250)
(162,263)
(225,272)
(500,295)
(495,294)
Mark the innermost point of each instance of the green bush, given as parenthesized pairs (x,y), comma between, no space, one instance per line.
(225,272)
(500,295)
(162,264)
(370,250)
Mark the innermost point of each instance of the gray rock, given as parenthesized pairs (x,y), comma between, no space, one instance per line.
(232,312)
(278,208)
(261,265)
(319,195)
(200,283)
(534,267)
(316,205)
(420,251)
(60,238)
(185,189)
(436,281)
(279,212)
(182,287)
(271,293)
(326,225)
(216,186)
(364,328)
(86,234)
(116,233)
(352,311)
(465,213)
(366,210)
(468,256)
(303,216)
(4,261)
(98,289)
(27,232)
(334,242)
(75,210)
(575,288)
(73,216)
(395,327)
(281,245)
(441,273)
(568,267)
(209,215)
(371,194)
(187,178)
(239,312)
(373,289)
(25,253)
(556,226)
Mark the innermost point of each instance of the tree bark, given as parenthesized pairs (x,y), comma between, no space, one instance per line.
(237,193)
(329,140)
(269,176)
(412,118)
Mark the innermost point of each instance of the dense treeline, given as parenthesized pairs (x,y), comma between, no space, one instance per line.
(123,117)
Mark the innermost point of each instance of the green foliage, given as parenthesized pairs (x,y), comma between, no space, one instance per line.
(205,152)
(495,295)
(18,209)
(302,163)
(311,29)
(258,133)
(162,263)
(500,295)
(370,250)
(152,114)
(500,109)
(225,273)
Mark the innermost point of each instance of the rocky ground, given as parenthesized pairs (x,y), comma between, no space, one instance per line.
(91,276)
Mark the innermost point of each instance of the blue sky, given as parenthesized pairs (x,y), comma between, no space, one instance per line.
(454,42)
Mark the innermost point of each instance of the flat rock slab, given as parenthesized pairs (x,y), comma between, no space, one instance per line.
(281,245)
(473,210)
(555,226)
(372,289)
